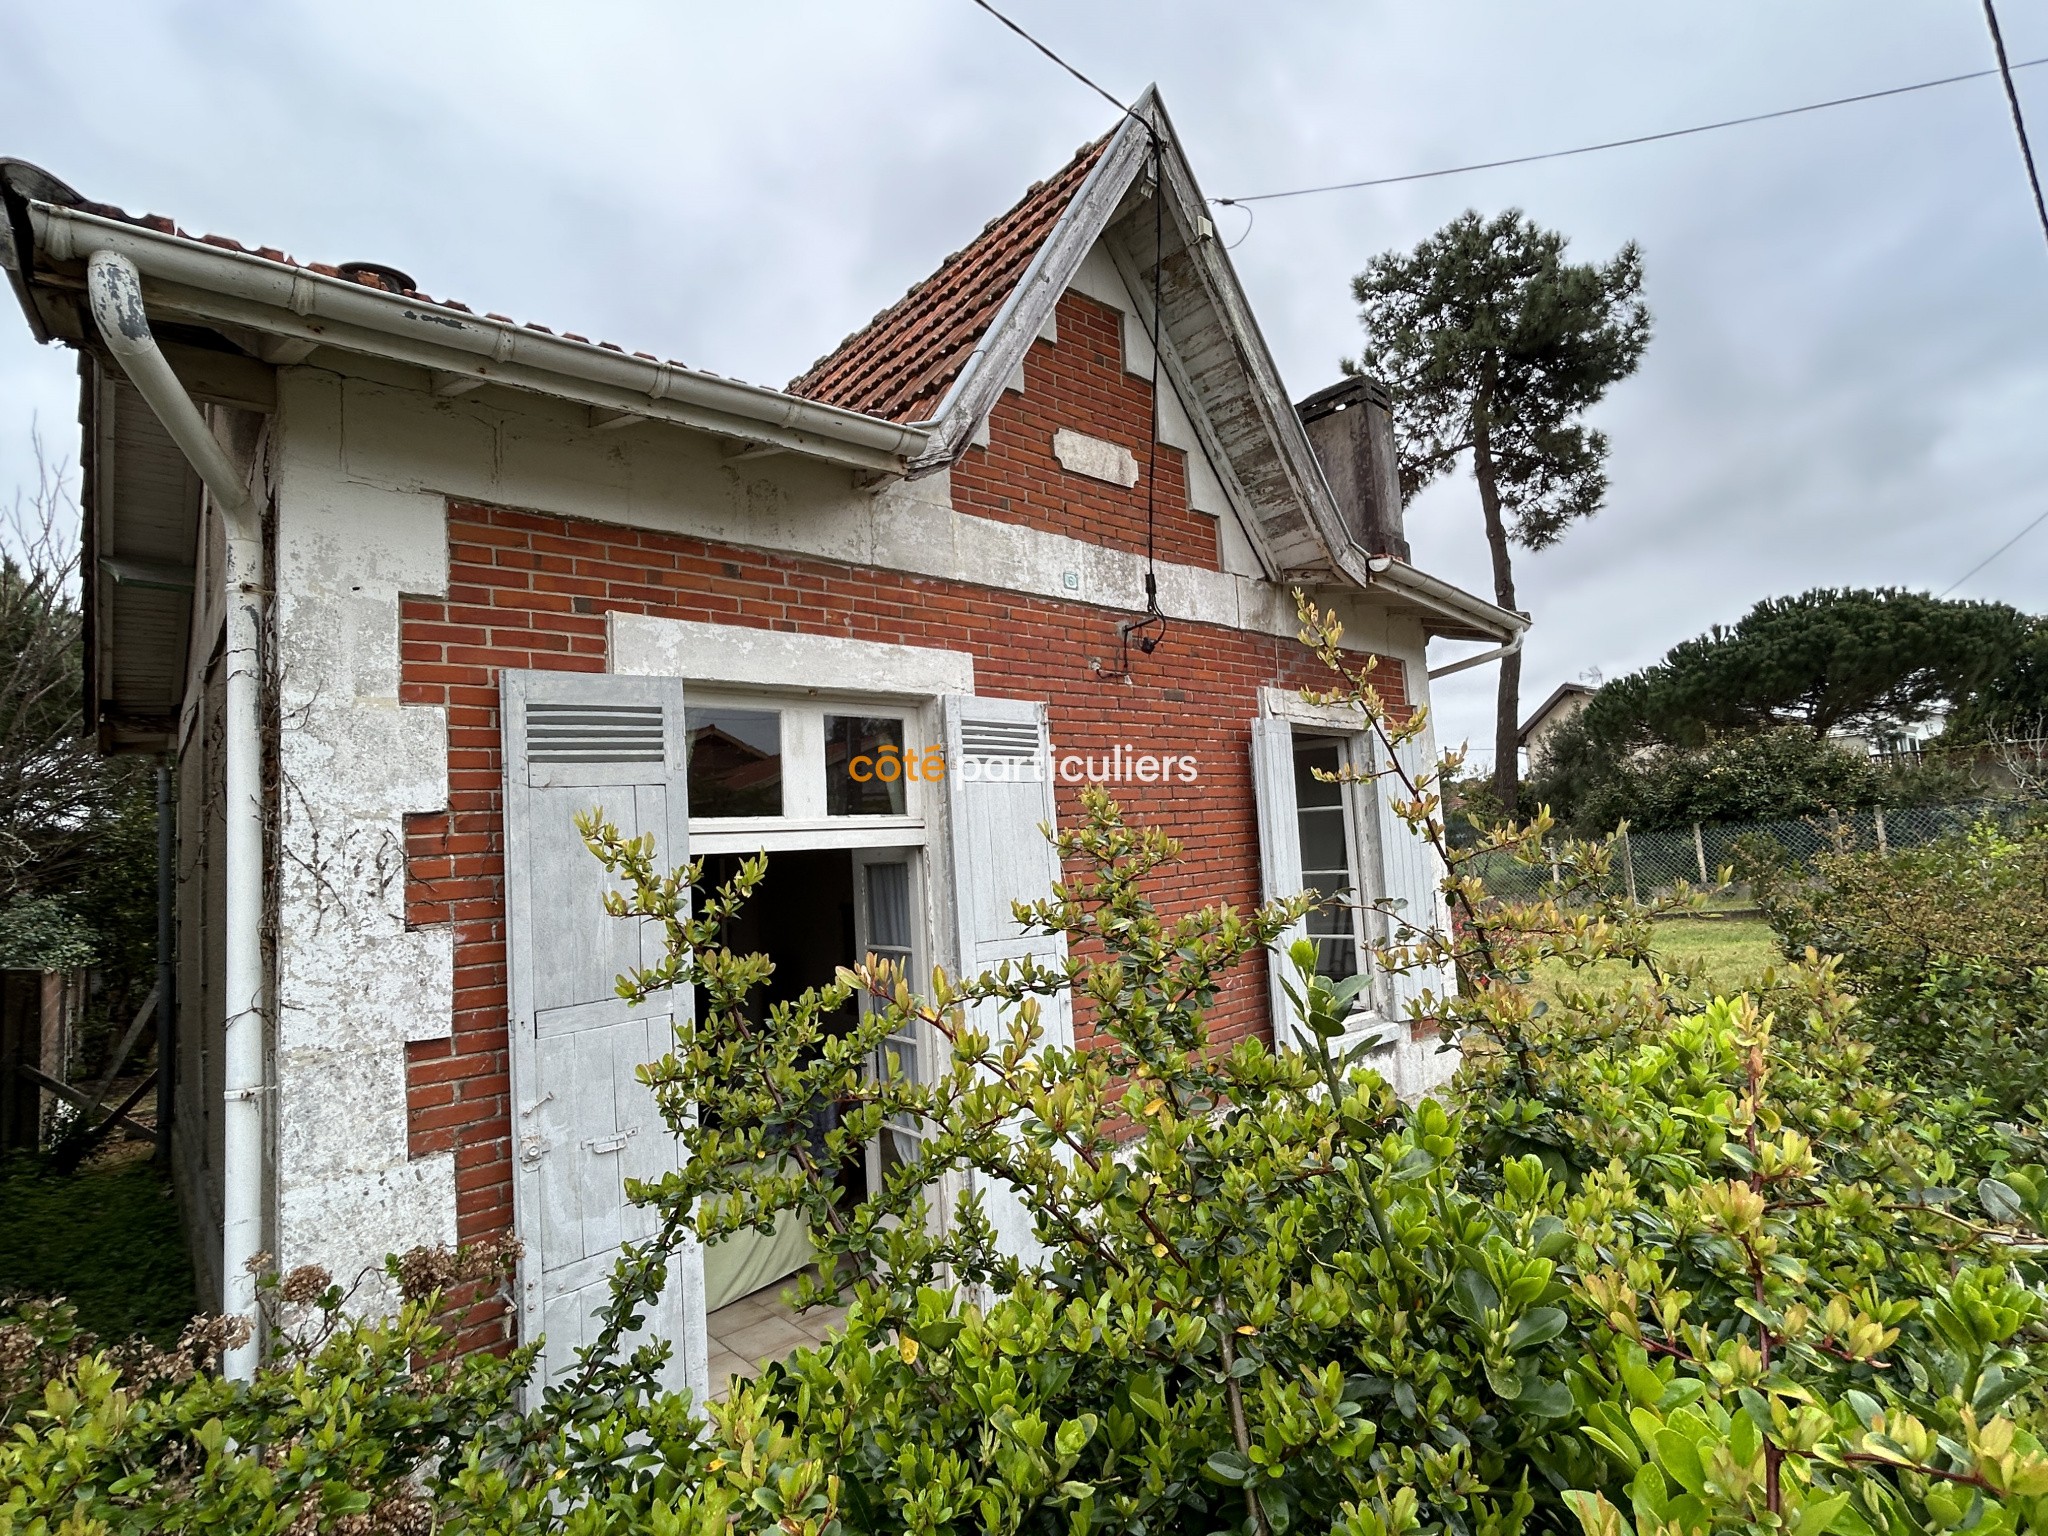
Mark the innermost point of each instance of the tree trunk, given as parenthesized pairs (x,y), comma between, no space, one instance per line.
(1507,718)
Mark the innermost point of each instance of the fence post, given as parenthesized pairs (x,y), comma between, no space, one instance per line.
(1628,864)
(1878,812)
(1699,846)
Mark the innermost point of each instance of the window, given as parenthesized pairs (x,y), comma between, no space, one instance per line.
(865,772)
(817,770)
(1329,861)
(735,762)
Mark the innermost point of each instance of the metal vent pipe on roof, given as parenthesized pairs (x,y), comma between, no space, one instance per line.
(115,289)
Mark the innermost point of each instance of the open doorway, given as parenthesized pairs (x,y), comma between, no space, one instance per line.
(815,911)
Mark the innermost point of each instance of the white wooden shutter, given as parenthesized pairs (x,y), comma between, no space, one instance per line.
(1411,872)
(1279,855)
(581,1121)
(999,797)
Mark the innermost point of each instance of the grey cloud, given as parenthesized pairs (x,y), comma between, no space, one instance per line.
(1851,368)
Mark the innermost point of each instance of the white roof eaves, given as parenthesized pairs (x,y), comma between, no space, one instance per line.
(207,281)
(1015,325)
(1480,619)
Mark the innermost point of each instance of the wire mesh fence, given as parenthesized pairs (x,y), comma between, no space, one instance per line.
(1648,863)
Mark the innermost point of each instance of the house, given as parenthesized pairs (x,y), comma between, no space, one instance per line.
(400,587)
(1564,704)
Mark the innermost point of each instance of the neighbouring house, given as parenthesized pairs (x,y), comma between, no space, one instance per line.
(1563,705)
(401,587)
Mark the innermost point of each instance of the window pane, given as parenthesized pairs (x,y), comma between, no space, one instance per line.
(1323,843)
(735,762)
(904,1049)
(889,908)
(860,778)
(1308,789)
(899,1149)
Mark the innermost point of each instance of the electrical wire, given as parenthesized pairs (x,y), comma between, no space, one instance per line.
(1251,217)
(2019,121)
(1158,414)
(1063,64)
(2008,544)
(1641,138)
(1151,629)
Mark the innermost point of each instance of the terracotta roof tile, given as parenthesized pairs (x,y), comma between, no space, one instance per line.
(900,365)
(271,253)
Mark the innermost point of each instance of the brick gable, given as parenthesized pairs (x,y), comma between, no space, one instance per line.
(1079,383)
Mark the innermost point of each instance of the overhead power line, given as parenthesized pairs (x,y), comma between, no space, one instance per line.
(1643,138)
(2019,121)
(1063,64)
(2008,544)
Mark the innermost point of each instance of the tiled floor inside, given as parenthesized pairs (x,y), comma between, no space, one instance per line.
(761,1327)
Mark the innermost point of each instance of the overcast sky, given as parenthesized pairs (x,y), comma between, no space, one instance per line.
(1848,382)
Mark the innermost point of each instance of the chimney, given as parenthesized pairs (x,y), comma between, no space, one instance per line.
(1351,427)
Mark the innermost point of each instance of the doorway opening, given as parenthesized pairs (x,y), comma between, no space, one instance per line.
(815,911)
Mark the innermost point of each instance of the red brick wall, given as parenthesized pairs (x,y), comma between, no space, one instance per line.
(531,591)
(1080,383)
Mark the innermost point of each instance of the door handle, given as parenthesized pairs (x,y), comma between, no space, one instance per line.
(602,1145)
(532,1149)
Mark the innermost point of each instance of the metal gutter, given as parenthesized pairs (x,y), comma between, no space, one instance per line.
(1403,580)
(192,278)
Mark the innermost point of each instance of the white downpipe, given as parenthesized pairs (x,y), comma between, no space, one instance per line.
(1466,663)
(116,292)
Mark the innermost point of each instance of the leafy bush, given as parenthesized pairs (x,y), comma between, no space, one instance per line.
(1947,947)
(1653,1267)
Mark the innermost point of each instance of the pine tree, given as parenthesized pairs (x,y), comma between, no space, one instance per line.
(1871,660)
(1492,344)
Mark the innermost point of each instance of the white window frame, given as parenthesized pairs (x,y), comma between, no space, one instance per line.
(924,1039)
(804,822)
(1350,754)
(1368,869)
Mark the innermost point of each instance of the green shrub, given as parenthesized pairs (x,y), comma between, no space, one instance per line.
(1652,1267)
(1947,947)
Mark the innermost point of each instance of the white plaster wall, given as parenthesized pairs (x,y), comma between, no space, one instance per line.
(649,645)
(353,984)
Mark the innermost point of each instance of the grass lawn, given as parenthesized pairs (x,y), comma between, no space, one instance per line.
(106,1237)
(1735,951)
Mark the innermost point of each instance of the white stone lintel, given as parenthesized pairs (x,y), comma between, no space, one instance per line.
(645,645)
(1091,456)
